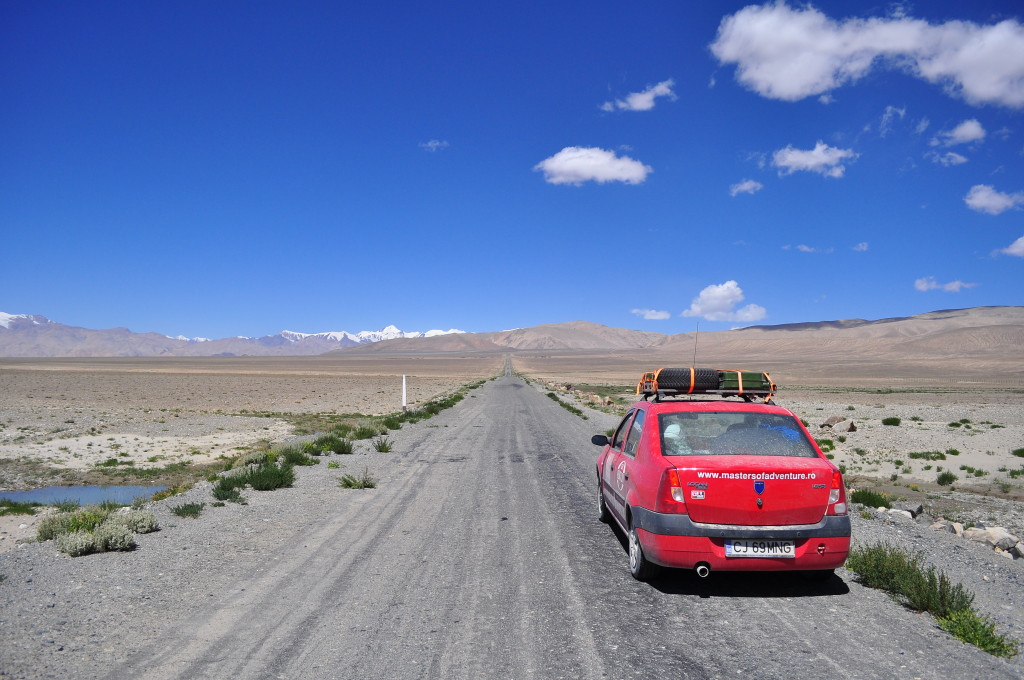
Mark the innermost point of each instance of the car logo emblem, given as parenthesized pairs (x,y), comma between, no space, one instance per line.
(759,486)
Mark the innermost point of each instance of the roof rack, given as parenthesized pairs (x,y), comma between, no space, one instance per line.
(673,382)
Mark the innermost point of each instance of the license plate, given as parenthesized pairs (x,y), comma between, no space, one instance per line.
(760,549)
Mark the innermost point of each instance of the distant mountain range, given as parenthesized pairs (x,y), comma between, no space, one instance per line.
(33,335)
(993,335)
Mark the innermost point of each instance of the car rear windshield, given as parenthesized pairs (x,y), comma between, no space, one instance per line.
(731,433)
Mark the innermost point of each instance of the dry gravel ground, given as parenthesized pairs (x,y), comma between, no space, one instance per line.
(59,615)
(61,418)
(250,577)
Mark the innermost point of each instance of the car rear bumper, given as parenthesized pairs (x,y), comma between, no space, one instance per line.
(682,525)
(677,541)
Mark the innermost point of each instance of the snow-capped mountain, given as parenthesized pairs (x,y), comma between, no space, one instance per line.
(25,335)
(10,321)
(363,337)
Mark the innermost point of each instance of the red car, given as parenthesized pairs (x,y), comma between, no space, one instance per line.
(721,485)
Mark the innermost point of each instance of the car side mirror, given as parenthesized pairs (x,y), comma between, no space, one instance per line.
(599,440)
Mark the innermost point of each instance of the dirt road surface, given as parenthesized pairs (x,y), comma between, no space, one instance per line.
(479,555)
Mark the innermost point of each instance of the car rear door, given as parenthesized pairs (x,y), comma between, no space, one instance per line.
(612,471)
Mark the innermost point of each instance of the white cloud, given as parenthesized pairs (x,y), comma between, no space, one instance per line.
(789,54)
(861,247)
(947,159)
(643,101)
(823,159)
(929,283)
(1016,248)
(718,302)
(651,314)
(964,133)
(803,248)
(747,186)
(984,198)
(434,145)
(890,114)
(576,165)
(922,125)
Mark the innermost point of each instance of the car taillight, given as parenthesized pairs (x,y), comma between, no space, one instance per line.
(837,495)
(671,497)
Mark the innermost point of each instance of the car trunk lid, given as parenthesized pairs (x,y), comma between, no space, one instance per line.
(755,490)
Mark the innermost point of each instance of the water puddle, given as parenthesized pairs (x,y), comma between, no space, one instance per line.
(84,495)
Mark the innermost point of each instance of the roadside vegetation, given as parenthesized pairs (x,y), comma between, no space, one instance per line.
(924,589)
(96,528)
(567,406)
(9,507)
(364,481)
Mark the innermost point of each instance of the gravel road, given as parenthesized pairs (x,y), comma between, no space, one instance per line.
(479,555)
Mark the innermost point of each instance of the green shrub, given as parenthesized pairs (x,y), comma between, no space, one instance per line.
(76,543)
(137,521)
(871,499)
(977,630)
(1018,452)
(191,510)
(227,490)
(333,465)
(364,432)
(295,456)
(382,444)
(269,477)
(114,536)
(392,423)
(826,445)
(334,444)
(86,519)
(892,420)
(946,478)
(365,481)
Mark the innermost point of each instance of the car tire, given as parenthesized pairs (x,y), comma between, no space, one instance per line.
(602,508)
(679,379)
(639,567)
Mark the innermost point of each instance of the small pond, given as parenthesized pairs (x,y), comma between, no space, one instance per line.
(85,495)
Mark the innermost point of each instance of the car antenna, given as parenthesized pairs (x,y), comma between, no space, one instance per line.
(696,333)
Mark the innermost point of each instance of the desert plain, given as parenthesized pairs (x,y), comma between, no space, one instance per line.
(70,421)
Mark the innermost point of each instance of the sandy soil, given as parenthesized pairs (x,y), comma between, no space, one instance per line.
(74,414)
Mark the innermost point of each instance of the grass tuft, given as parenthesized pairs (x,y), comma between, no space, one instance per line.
(9,507)
(365,481)
(191,510)
(382,444)
(871,499)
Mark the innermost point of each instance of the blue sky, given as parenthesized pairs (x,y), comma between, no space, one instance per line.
(213,169)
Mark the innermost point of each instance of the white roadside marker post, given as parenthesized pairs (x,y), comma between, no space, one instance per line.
(404,403)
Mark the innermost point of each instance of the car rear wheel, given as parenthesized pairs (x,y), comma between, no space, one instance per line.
(639,567)
(602,508)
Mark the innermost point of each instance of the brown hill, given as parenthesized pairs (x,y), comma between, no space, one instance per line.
(948,347)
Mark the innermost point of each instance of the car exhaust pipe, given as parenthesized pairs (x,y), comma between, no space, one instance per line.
(703,570)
